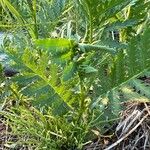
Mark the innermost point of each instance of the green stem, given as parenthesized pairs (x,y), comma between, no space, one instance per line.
(91,31)
(32,6)
(35,20)
(14,92)
(82,101)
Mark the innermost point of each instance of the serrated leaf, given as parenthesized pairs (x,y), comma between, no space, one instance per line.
(69,72)
(90,69)
(58,46)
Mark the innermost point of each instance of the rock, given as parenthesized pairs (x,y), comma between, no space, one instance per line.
(9,72)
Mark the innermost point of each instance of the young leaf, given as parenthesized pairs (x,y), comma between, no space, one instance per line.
(69,72)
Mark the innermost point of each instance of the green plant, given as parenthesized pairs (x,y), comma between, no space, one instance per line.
(61,73)
(36,130)
(37,18)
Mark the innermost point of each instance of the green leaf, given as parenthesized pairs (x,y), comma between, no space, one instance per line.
(89,47)
(90,69)
(59,46)
(142,88)
(69,72)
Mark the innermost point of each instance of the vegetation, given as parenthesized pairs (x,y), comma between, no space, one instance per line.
(79,61)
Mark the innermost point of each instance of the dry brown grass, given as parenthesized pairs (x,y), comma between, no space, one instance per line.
(132,131)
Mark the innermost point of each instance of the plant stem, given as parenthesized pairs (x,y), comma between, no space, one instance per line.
(82,101)
(35,20)
(91,30)
(32,6)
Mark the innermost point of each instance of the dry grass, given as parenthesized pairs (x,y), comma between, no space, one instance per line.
(131,133)
(4,134)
